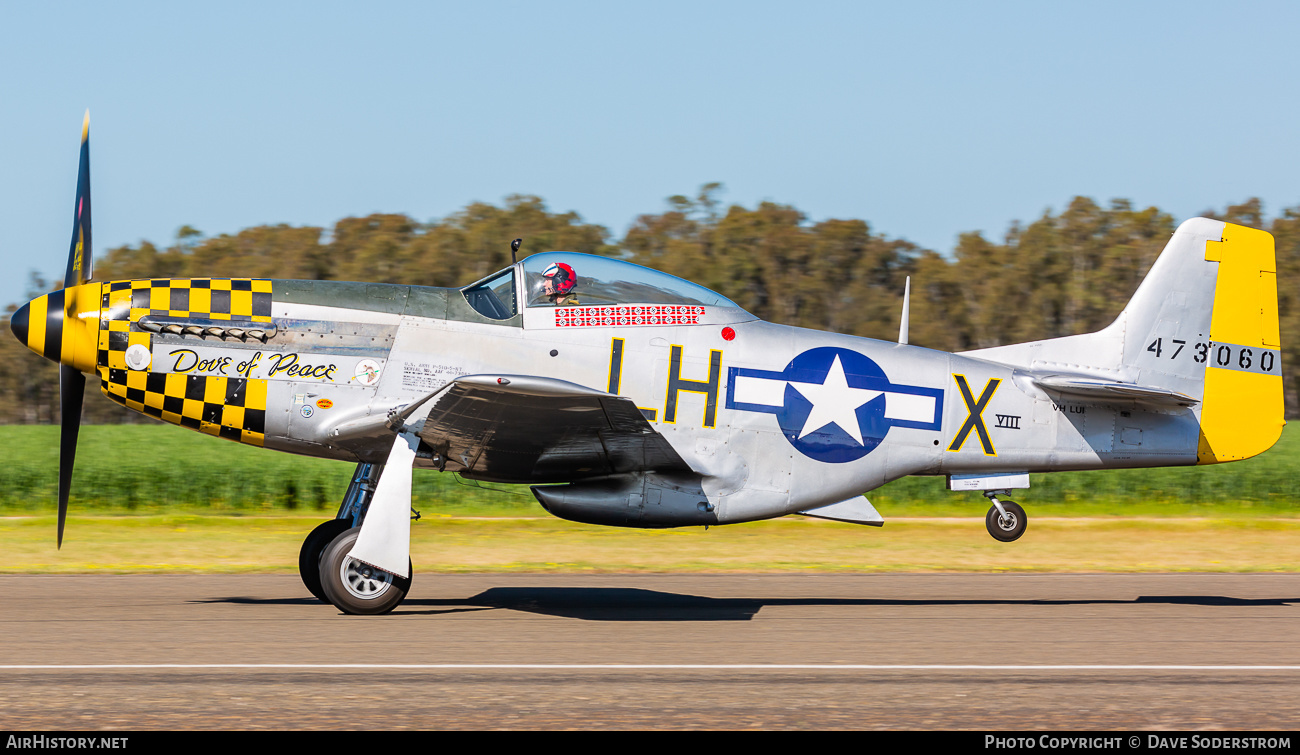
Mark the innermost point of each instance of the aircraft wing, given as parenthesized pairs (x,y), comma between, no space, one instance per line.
(528,429)
(1109,390)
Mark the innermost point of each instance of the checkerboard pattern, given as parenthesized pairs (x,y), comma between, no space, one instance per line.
(233,408)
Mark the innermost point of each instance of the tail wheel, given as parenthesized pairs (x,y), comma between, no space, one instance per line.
(312,548)
(1009,527)
(354,587)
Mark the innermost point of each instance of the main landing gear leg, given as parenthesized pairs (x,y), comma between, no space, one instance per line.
(367,569)
(351,513)
(1005,521)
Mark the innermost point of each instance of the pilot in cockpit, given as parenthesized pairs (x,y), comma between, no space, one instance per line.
(558,280)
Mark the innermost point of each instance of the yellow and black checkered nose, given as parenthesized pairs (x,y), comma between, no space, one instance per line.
(62,326)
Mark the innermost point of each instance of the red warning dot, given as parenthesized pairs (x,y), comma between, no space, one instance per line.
(728,334)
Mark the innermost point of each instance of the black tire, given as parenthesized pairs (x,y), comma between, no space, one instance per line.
(312,547)
(354,587)
(1009,529)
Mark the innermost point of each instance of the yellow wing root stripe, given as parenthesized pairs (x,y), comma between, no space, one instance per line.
(1242,412)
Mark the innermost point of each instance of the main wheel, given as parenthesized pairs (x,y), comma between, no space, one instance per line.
(312,547)
(354,587)
(1007,528)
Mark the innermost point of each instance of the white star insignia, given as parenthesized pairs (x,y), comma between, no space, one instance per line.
(834,403)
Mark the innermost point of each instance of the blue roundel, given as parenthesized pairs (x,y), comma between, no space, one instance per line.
(833,404)
(828,383)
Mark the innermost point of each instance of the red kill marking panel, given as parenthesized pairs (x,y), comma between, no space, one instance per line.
(634,314)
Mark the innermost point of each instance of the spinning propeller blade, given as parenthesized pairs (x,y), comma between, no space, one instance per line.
(72,389)
(78,271)
(72,384)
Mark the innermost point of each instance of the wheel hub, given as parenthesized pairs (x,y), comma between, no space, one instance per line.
(364,581)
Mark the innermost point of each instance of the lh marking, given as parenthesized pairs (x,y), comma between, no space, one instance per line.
(615,366)
(833,404)
(975,414)
(677,383)
(616,377)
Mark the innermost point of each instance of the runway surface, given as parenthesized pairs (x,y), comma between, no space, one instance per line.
(990,652)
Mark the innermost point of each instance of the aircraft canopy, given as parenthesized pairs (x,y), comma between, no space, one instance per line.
(604,281)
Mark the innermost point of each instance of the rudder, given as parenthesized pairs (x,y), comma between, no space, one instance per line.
(1243,407)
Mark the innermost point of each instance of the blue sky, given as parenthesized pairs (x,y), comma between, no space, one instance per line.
(925,119)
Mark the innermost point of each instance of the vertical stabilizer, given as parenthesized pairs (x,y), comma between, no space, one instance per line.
(1203,324)
(1242,412)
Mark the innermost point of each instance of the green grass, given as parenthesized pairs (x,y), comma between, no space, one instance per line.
(164,499)
(1261,486)
(199,543)
(149,469)
(154,468)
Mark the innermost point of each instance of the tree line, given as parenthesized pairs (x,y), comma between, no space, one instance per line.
(1064,273)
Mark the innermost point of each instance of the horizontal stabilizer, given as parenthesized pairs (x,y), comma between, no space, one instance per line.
(1108,390)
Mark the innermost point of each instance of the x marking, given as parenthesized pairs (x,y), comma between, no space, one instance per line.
(975,417)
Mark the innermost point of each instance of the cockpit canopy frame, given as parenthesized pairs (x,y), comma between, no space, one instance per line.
(601,283)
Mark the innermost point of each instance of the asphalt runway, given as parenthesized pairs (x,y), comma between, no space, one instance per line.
(555,651)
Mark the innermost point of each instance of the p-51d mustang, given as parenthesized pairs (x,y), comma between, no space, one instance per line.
(632,398)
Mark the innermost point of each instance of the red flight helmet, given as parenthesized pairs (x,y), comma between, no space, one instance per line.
(562,275)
